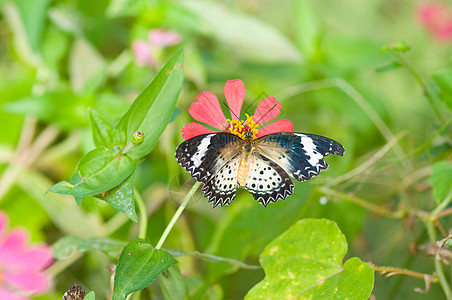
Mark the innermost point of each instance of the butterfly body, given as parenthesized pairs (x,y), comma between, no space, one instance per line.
(224,162)
(244,165)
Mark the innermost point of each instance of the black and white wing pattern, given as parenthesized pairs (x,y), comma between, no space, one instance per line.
(213,159)
(266,180)
(301,155)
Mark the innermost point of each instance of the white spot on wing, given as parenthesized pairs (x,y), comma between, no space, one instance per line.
(201,151)
(311,150)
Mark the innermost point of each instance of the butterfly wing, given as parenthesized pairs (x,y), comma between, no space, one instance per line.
(299,154)
(266,180)
(221,188)
(213,159)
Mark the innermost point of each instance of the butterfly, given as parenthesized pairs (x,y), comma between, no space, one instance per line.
(264,166)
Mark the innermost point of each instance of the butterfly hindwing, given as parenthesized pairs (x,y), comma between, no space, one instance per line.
(299,154)
(266,180)
(221,188)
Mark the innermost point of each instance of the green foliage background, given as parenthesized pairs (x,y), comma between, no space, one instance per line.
(322,60)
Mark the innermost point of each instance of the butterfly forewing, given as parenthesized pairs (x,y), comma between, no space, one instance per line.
(206,154)
(299,154)
(266,180)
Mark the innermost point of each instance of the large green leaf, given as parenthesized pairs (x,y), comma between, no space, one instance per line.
(152,109)
(249,37)
(99,170)
(139,264)
(305,262)
(441,180)
(65,246)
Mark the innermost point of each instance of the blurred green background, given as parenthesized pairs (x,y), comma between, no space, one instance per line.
(322,60)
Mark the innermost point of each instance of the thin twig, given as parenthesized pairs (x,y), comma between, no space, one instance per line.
(363,203)
(390,271)
(367,164)
(213,258)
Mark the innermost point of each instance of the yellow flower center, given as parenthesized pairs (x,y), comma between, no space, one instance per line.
(239,127)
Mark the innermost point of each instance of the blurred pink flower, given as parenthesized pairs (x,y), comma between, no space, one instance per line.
(436,17)
(21,265)
(148,52)
(207,109)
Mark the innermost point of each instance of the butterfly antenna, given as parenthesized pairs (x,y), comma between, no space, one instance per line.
(264,115)
(237,117)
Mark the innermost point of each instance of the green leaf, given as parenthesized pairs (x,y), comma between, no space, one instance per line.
(173,284)
(100,170)
(139,264)
(444,81)
(152,109)
(34,14)
(101,129)
(62,108)
(122,198)
(75,179)
(305,262)
(224,24)
(90,296)
(65,246)
(441,180)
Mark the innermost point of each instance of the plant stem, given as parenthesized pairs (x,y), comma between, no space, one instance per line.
(143,215)
(177,214)
(438,267)
(444,203)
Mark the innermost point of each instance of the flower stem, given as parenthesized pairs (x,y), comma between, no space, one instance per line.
(143,215)
(177,214)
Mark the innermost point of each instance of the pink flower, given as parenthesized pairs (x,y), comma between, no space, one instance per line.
(148,52)
(436,17)
(21,265)
(207,109)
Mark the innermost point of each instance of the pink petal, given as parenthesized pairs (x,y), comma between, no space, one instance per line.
(267,110)
(207,109)
(12,244)
(164,38)
(3,221)
(278,126)
(5,294)
(33,259)
(35,283)
(142,52)
(234,92)
(194,129)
